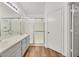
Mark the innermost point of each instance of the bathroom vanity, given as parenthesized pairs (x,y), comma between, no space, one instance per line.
(14,46)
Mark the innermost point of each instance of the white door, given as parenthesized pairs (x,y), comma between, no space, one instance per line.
(75,31)
(56,30)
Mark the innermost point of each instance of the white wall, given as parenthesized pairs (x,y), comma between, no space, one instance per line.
(22,12)
(29,28)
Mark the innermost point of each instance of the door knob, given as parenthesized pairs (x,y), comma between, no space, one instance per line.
(48,32)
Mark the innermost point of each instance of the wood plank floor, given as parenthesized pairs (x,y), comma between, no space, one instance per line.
(41,51)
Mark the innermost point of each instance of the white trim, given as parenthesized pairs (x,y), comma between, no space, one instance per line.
(72,29)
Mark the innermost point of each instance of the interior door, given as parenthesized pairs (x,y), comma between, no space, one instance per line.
(56,30)
(75,31)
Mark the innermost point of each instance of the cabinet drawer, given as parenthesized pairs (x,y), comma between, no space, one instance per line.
(23,48)
(9,52)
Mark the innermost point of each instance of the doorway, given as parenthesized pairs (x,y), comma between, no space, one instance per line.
(39,32)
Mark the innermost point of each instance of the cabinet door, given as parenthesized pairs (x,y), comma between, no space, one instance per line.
(17,53)
(28,41)
(11,51)
(23,46)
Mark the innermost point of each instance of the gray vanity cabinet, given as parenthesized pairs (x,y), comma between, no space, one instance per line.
(25,43)
(18,49)
(13,51)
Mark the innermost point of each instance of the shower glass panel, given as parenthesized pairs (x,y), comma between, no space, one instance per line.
(75,31)
(39,31)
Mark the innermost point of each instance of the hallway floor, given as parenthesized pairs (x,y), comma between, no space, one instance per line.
(41,51)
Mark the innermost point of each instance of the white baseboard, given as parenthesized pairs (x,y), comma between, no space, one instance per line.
(37,44)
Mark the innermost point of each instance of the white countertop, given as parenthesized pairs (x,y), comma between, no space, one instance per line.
(7,43)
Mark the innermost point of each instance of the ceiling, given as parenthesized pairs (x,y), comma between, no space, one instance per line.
(33,9)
